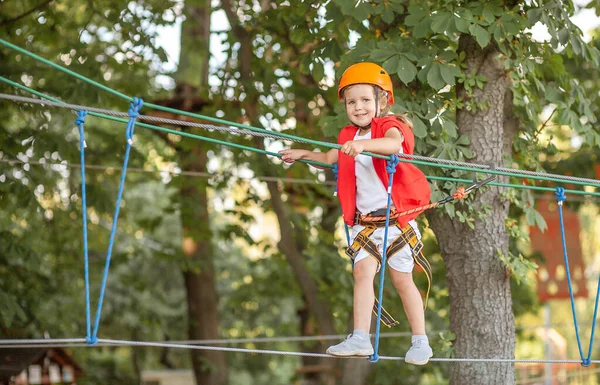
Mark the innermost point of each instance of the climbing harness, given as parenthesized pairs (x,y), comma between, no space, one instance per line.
(407,236)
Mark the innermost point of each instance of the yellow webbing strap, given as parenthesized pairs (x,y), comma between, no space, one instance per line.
(407,236)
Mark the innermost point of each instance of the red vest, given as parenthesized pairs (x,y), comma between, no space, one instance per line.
(410,188)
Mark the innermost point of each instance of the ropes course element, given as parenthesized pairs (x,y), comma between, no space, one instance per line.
(134,108)
(416,159)
(176,122)
(133,115)
(407,158)
(166,130)
(110,342)
(201,174)
(57,103)
(585,361)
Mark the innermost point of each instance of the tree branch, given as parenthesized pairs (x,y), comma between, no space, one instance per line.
(37,7)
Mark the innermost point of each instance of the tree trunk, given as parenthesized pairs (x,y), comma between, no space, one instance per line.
(480,300)
(210,367)
(288,244)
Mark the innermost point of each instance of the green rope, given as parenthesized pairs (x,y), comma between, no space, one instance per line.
(167,109)
(515,186)
(167,130)
(318,164)
(495,172)
(287,136)
(63,69)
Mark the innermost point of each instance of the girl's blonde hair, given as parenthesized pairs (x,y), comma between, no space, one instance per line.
(383,101)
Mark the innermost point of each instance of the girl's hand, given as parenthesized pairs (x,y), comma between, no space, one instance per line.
(291,155)
(353,148)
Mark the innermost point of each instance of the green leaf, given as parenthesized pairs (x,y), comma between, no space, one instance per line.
(392,65)
(450,128)
(419,128)
(481,35)
(441,22)
(381,55)
(462,25)
(407,71)
(388,16)
(434,76)
(318,71)
(534,15)
(488,15)
(422,29)
(449,74)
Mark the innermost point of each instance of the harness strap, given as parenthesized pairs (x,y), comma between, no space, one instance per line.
(407,237)
(362,241)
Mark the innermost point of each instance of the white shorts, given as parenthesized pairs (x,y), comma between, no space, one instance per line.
(402,261)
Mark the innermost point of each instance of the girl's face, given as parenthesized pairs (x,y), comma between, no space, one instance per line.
(360,104)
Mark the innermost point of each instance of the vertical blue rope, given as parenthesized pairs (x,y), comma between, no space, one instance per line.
(80,122)
(134,109)
(560,198)
(587,362)
(391,170)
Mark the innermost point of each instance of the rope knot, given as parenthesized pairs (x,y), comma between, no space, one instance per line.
(586,362)
(392,163)
(559,193)
(460,193)
(80,117)
(134,108)
(91,341)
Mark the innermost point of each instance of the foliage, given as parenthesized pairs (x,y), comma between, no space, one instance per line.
(298,49)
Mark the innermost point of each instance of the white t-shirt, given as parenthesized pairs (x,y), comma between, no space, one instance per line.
(371,195)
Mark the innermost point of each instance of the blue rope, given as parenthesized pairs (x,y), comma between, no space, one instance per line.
(134,109)
(585,361)
(391,170)
(80,122)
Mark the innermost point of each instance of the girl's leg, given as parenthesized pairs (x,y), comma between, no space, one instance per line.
(411,300)
(364,293)
(358,343)
(420,351)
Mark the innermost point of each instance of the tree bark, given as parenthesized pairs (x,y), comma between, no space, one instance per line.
(481,314)
(210,367)
(289,243)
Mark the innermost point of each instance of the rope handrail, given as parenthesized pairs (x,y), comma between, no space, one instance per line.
(279,179)
(163,129)
(404,158)
(150,105)
(416,159)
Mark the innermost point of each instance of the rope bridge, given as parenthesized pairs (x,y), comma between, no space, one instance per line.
(133,118)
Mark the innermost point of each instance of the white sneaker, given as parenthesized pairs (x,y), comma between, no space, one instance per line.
(419,353)
(353,345)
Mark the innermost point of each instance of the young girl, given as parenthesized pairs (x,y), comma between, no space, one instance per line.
(366,90)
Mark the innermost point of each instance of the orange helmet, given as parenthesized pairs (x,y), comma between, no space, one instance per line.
(367,73)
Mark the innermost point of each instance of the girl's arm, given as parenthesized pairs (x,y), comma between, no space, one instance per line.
(291,155)
(391,143)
